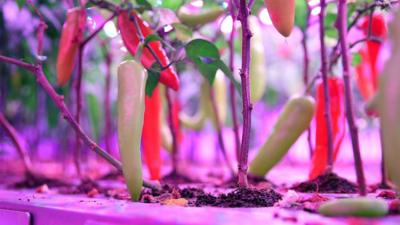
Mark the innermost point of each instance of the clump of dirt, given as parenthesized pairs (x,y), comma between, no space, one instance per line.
(327,183)
(34,180)
(176,178)
(240,198)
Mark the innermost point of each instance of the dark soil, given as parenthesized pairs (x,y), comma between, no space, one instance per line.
(327,183)
(33,180)
(240,198)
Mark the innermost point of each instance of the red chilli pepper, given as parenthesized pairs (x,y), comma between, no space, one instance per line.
(364,76)
(379,30)
(71,37)
(319,161)
(131,40)
(151,136)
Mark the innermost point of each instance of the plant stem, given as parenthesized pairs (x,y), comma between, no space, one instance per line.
(384,182)
(219,132)
(324,72)
(244,12)
(342,28)
(107,101)
(175,144)
(78,91)
(232,90)
(306,72)
(78,102)
(15,138)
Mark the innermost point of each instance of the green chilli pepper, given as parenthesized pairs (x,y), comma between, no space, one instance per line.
(131,95)
(292,122)
(389,107)
(361,207)
(258,78)
(194,17)
(205,111)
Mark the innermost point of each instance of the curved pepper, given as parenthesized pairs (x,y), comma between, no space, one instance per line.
(359,207)
(292,122)
(336,90)
(131,40)
(71,37)
(131,104)
(379,30)
(193,17)
(258,78)
(205,110)
(151,138)
(282,14)
(389,107)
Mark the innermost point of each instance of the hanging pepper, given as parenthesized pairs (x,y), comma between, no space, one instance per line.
(282,14)
(389,107)
(378,30)
(71,37)
(151,138)
(131,104)
(295,118)
(336,90)
(193,16)
(205,111)
(364,76)
(131,39)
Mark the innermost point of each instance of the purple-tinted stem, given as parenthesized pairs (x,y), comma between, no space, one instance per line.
(306,72)
(78,91)
(342,28)
(219,132)
(324,72)
(78,102)
(232,90)
(174,132)
(384,180)
(16,140)
(107,102)
(244,12)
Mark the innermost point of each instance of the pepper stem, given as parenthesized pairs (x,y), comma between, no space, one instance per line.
(244,12)
(342,28)
(327,101)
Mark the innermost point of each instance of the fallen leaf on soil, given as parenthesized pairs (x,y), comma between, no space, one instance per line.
(175,202)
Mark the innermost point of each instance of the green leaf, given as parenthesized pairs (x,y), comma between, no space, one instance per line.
(356,60)
(207,58)
(203,53)
(145,4)
(301,14)
(171,4)
(20,3)
(94,114)
(152,79)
